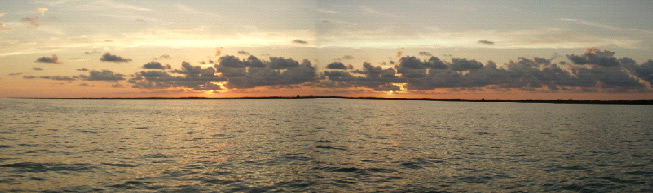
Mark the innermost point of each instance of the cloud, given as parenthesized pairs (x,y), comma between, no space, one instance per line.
(34,21)
(254,72)
(327,11)
(300,41)
(83,69)
(338,65)
(594,56)
(592,71)
(2,14)
(411,62)
(400,52)
(107,57)
(524,74)
(486,42)
(413,67)
(37,69)
(347,57)
(243,52)
(593,24)
(164,56)
(425,54)
(156,65)
(114,6)
(15,74)
(93,52)
(58,78)
(461,64)
(52,60)
(375,78)
(193,77)
(42,10)
(104,75)
(645,71)
(282,63)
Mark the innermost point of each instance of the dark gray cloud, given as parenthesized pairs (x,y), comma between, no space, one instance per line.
(254,62)
(83,69)
(164,56)
(156,65)
(194,71)
(594,70)
(593,56)
(486,42)
(254,72)
(107,57)
(425,54)
(37,69)
(243,52)
(34,21)
(525,74)
(645,71)
(411,62)
(15,74)
(282,63)
(338,65)
(104,75)
(59,78)
(193,77)
(52,60)
(461,64)
(375,78)
(300,41)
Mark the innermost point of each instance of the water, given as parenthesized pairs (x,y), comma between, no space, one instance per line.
(324,145)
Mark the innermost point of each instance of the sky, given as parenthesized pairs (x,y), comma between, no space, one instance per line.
(398,49)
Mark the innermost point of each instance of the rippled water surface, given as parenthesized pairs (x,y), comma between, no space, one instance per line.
(324,145)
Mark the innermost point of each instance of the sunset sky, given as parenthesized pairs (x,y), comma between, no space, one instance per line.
(433,49)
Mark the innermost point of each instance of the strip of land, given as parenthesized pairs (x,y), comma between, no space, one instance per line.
(570,101)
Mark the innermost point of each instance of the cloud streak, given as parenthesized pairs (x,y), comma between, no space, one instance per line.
(486,42)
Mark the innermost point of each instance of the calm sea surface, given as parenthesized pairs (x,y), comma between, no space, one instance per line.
(323,145)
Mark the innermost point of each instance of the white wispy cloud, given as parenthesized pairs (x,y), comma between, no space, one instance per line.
(200,37)
(188,9)
(534,38)
(609,27)
(372,11)
(327,11)
(109,4)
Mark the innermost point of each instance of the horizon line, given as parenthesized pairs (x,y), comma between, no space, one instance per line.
(556,101)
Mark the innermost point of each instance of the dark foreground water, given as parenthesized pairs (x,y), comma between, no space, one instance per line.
(323,145)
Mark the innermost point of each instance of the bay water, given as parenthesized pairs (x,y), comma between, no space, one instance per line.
(322,145)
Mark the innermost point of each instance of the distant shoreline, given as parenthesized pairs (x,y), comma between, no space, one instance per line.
(570,101)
